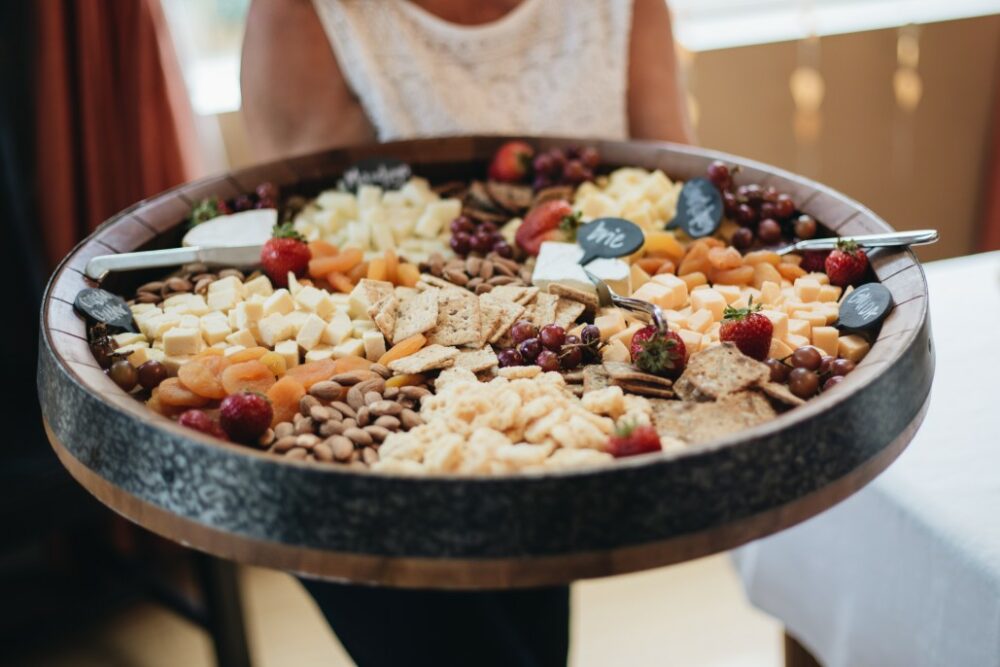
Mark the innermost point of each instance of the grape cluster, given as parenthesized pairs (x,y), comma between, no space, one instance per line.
(471,236)
(550,347)
(809,370)
(764,214)
(565,166)
(265,195)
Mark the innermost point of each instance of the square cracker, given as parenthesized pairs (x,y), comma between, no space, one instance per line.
(619,370)
(702,422)
(477,360)
(508,312)
(517,293)
(543,310)
(718,371)
(458,319)
(383,313)
(429,358)
(428,281)
(416,314)
(594,378)
(588,299)
(643,388)
(567,311)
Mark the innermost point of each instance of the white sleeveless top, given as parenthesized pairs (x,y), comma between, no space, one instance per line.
(546,67)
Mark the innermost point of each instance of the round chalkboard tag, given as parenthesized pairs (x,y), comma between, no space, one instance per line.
(103,306)
(608,237)
(865,307)
(699,209)
(387,173)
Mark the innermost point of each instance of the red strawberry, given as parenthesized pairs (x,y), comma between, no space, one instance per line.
(553,220)
(748,329)
(847,264)
(658,353)
(630,440)
(286,251)
(200,421)
(512,162)
(245,416)
(814,260)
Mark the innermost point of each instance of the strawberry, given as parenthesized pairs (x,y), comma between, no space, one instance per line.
(630,439)
(286,251)
(847,264)
(553,220)
(658,353)
(200,421)
(814,260)
(512,162)
(245,416)
(750,330)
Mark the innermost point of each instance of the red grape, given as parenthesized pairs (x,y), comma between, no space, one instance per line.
(544,165)
(571,356)
(769,231)
(503,249)
(742,238)
(590,157)
(481,243)
(548,360)
(487,227)
(530,349)
(731,204)
(462,223)
(522,330)
(460,243)
(841,367)
(832,382)
(575,172)
(779,370)
(746,215)
(807,357)
(509,357)
(718,174)
(590,334)
(784,207)
(803,382)
(552,336)
(805,227)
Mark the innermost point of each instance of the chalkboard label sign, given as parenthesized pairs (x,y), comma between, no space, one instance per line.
(865,307)
(608,237)
(105,307)
(386,172)
(699,209)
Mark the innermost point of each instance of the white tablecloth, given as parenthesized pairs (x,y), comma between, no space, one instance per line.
(907,571)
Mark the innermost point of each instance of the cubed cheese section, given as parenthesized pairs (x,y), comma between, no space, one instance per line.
(711,300)
(289,351)
(311,332)
(274,329)
(180,341)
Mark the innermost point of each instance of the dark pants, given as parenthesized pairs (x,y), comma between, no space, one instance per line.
(388,626)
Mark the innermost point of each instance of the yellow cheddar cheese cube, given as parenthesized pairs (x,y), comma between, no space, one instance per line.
(795,342)
(852,347)
(813,317)
(692,340)
(779,320)
(710,300)
(819,277)
(713,331)
(677,290)
(829,293)
(779,349)
(610,322)
(638,277)
(770,293)
(625,336)
(615,350)
(729,292)
(652,292)
(807,289)
(700,320)
(676,318)
(826,339)
(143,354)
(800,327)
(694,279)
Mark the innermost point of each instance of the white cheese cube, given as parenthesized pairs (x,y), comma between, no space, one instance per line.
(140,308)
(315,301)
(826,339)
(214,329)
(435,216)
(126,350)
(161,324)
(353,347)
(233,349)
(770,292)
(175,300)
(227,284)
(559,263)
(374,343)
(692,340)
(319,353)
(273,329)
(807,289)
(242,337)
(224,300)
(190,321)
(296,319)
(281,302)
(311,332)
(338,329)
(180,341)
(852,347)
(143,354)
(800,327)
(289,350)
(247,315)
(143,319)
(127,338)
(700,320)
(711,300)
(293,284)
(196,306)
(261,285)
(779,320)
(359,327)
(365,294)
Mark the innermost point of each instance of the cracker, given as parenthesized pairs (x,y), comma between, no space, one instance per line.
(643,388)
(428,358)
(477,360)
(573,377)
(594,378)
(517,293)
(416,314)
(543,310)
(619,370)
(428,281)
(718,371)
(458,320)
(588,299)
(703,422)
(567,311)
(507,312)
(384,314)
(781,394)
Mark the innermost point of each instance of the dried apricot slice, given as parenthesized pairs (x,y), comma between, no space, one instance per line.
(742,275)
(320,248)
(357,273)
(284,396)
(247,376)
(725,258)
(377,270)
(315,371)
(174,394)
(407,274)
(403,348)
(202,376)
(790,271)
(340,282)
(351,362)
(249,354)
(344,261)
(651,265)
(405,380)
(275,362)
(391,266)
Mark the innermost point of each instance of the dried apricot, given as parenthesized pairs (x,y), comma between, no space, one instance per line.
(790,271)
(284,396)
(764,272)
(377,270)
(742,275)
(320,266)
(695,260)
(247,376)
(651,265)
(320,248)
(403,348)
(171,393)
(202,376)
(694,279)
(249,354)
(357,273)
(344,261)
(759,256)
(351,362)
(340,282)
(391,266)
(408,274)
(663,244)
(666,267)
(725,258)
(275,362)
(315,371)
(405,380)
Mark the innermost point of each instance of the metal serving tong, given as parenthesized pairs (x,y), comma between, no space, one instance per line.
(893,239)
(606,297)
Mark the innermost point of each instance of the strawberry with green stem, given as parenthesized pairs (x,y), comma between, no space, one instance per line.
(658,352)
(748,329)
(631,439)
(285,252)
(846,264)
(553,220)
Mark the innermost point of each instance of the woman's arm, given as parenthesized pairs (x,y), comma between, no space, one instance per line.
(295,99)
(657,107)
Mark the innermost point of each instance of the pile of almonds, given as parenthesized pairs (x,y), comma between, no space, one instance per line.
(345,419)
(190,278)
(479,274)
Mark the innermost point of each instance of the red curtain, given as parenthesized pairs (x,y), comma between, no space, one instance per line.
(989,238)
(114,124)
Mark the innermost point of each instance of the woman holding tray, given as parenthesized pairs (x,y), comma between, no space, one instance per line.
(338,72)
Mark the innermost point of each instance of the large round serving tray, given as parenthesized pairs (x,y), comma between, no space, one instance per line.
(477,532)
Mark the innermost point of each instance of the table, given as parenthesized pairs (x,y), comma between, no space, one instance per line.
(907,571)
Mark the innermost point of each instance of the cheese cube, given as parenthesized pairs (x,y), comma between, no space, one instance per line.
(807,289)
(260,285)
(365,294)
(311,331)
(315,301)
(742,302)
(359,327)
(196,305)
(190,321)
(610,322)
(770,292)
(850,288)
(296,319)
(819,277)
(352,347)
(826,339)
(852,347)
(214,329)
(273,329)
(180,341)
(435,216)
(143,319)
(140,308)
(143,354)
(625,336)
(615,350)
(247,315)
(779,349)
(711,300)
(729,292)
(221,345)
(694,279)
(829,293)
(128,338)
(831,310)
(692,340)
(233,349)
(242,337)
(800,327)
(176,300)
(227,284)
(700,320)
(677,290)
(126,350)
(173,362)
(779,320)
(795,342)
(814,318)
(293,283)
(374,343)
(289,350)
(637,277)
(161,324)
(713,331)
(223,300)
(280,302)
(319,353)
(653,292)
(676,318)
(338,329)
